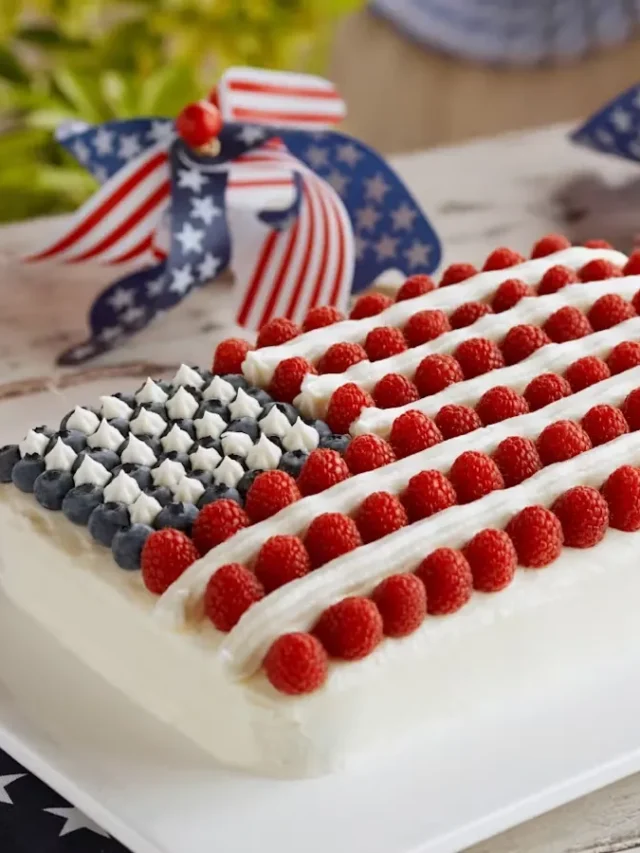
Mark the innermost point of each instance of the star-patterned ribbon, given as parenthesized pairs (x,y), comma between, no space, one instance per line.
(614,129)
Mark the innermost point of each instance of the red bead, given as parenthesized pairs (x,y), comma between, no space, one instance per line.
(199,123)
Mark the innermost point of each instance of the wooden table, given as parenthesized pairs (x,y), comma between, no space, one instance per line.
(504,191)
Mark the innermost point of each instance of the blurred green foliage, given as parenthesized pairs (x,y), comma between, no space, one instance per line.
(103,59)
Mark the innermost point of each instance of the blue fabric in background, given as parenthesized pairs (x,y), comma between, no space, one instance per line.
(514,32)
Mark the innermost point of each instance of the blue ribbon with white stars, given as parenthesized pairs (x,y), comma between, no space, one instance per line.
(614,129)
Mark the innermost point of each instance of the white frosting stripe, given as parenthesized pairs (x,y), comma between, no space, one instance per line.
(317,390)
(260,364)
(554,358)
(347,495)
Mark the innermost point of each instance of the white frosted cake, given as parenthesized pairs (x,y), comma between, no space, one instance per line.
(359,528)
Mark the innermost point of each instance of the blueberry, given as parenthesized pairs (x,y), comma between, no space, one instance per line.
(51,487)
(245,482)
(178,515)
(166,386)
(26,471)
(9,455)
(334,441)
(217,491)
(320,427)
(208,442)
(108,458)
(215,407)
(140,473)
(261,396)
(249,426)
(195,393)
(73,437)
(175,456)
(239,459)
(80,502)
(162,494)
(156,408)
(275,439)
(292,462)
(129,399)
(237,380)
(106,520)
(205,375)
(127,545)
(184,423)
(150,441)
(291,413)
(205,477)
(121,424)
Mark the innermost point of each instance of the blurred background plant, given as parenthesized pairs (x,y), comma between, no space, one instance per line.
(100,59)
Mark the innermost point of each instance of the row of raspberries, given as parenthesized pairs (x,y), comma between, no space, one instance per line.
(443,582)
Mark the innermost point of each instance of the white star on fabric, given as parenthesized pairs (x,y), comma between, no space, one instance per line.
(622,120)
(403,217)
(417,253)
(367,218)
(182,280)
(129,147)
(338,181)
(110,333)
(317,156)
(132,315)
(121,299)
(80,353)
(605,137)
(81,151)
(361,246)
(103,141)
(385,247)
(250,134)
(154,288)
(100,174)
(161,131)
(5,781)
(349,154)
(376,188)
(191,179)
(74,820)
(209,267)
(190,238)
(204,209)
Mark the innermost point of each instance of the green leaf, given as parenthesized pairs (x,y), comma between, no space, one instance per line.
(10,67)
(167,90)
(82,92)
(50,37)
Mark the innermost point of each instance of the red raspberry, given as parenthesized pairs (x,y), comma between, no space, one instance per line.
(597,244)
(584,516)
(509,294)
(447,578)
(609,310)
(415,285)
(427,493)
(329,536)
(340,357)
(631,410)
(456,273)
(562,440)
(492,559)
(345,406)
(296,663)
(280,560)
(536,534)
(622,494)
(546,389)
(517,459)
(323,469)
(502,258)
(632,267)
(477,356)
(165,556)
(499,404)
(270,492)
(623,356)
(277,331)
(567,324)
(383,342)
(468,313)
(394,390)
(229,355)
(435,373)
(455,420)
(216,522)
(555,279)
(369,304)
(599,270)
(402,602)
(323,315)
(287,378)
(350,629)
(367,452)
(231,591)
(604,423)
(522,341)
(379,514)
(473,475)
(549,244)
(585,372)
(412,432)
(425,326)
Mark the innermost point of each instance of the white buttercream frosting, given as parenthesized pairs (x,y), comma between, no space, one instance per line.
(176,439)
(275,423)
(182,405)
(236,443)
(210,425)
(114,407)
(90,471)
(106,436)
(219,389)
(151,392)
(168,473)
(264,455)
(122,488)
(138,453)
(229,472)
(301,436)
(205,459)
(148,423)
(244,406)
(144,509)
(84,420)
(61,457)
(33,442)
(186,375)
(189,490)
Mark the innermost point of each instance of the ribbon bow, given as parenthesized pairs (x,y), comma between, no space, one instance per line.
(254,180)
